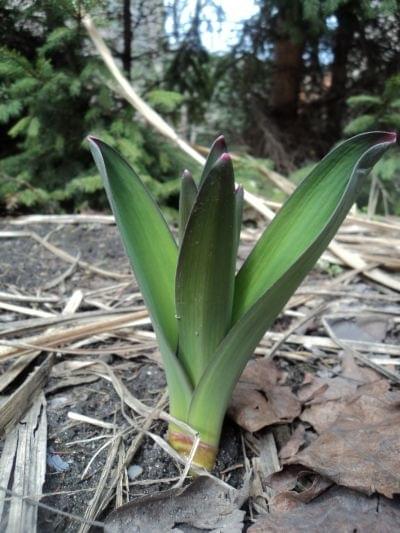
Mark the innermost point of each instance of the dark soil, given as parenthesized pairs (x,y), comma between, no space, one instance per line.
(100,401)
(27,265)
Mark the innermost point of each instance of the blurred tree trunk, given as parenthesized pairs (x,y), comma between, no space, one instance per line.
(344,37)
(286,78)
(128,36)
(288,62)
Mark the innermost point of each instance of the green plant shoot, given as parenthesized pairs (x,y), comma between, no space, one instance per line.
(208,319)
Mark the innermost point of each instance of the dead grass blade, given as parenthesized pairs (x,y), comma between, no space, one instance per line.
(24,395)
(95,503)
(23,467)
(62,219)
(54,339)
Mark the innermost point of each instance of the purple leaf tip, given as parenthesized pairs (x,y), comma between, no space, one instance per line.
(225,157)
(92,138)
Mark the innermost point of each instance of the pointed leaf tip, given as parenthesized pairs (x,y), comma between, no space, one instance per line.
(220,144)
(206,268)
(186,174)
(217,149)
(92,139)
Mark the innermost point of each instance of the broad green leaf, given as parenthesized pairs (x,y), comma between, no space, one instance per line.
(239,200)
(305,216)
(206,270)
(297,236)
(186,200)
(151,249)
(217,149)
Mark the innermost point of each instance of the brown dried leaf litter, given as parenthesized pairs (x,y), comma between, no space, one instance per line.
(87,316)
(338,509)
(204,505)
(360,449)
(260,399)
(355,416)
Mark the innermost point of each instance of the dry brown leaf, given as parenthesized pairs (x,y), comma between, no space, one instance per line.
(204,505)
(368,328)
(259,399)
(327,397)
(294,444)
(317,390)
(360,449)
(293,486)
(321,416)
(352,370)
(292,499)
(286,479)
(338,509)
(262,372)
(321,390)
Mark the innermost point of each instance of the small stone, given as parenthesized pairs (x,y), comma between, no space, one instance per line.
(134,471)
(55,462)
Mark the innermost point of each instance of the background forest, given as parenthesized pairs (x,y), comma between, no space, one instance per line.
(299,76)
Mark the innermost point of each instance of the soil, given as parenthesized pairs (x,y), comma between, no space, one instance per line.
(27,265)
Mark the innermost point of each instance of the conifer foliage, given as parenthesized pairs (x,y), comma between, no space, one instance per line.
(52,94)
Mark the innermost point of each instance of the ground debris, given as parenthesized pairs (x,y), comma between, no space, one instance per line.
(22,470)
(338,509)
(360,448)
(260,399)
(206,504)
(325,398)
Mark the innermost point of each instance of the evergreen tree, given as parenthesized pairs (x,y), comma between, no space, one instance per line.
(52,95)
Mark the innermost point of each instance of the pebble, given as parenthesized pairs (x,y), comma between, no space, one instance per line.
(55,462)
(134,471)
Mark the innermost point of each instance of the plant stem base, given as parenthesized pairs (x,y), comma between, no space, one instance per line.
(205,454)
